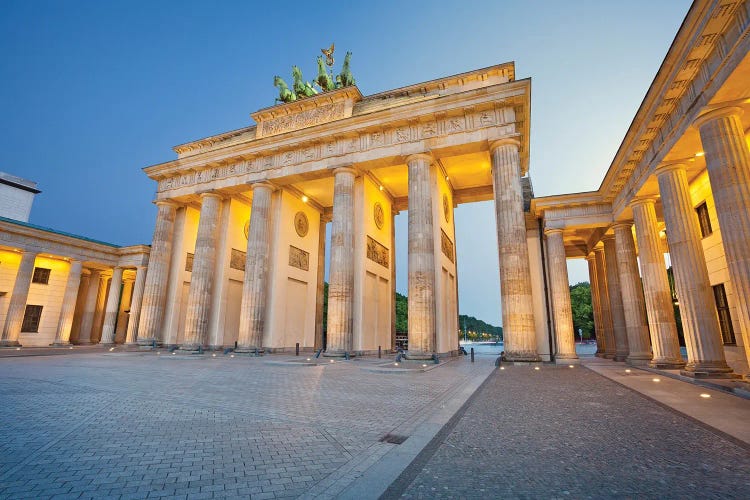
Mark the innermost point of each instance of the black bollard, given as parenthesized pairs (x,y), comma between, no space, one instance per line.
(379,353)
(296,349)
(472,354)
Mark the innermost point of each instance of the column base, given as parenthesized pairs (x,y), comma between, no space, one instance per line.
(60,344)
(251,350)
(10,343)
(338,354)
(147,342)
(620,357)
(521,357)
(417,355)
(709,369)
(638,360)
(191,348)
(609,355)
(600,355)
(667,364)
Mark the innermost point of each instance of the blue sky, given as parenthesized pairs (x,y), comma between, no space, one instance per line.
(91,92)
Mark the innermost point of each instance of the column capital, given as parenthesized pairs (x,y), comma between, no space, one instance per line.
(623,225)
(210,194)
(426,156)
(507,141)
(166,203)
(642,200)
(552,230)
(608,237)
(671,166)
(345,169)
(265,184)
(591,256)
(717,113)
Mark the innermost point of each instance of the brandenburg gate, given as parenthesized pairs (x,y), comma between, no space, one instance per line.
(238,253)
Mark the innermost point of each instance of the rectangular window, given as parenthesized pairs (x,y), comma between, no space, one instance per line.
(41,276)
(31,318)
(703,219)
(725,320)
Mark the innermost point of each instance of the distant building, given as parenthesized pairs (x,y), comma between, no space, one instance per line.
(16,197)
(56,287)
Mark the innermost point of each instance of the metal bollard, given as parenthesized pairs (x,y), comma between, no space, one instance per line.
(296,349)
(379,353)
(472,354)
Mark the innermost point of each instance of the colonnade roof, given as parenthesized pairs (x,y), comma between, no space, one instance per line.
(707,67)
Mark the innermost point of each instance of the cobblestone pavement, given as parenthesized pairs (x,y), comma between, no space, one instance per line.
(140,425)
(560,432)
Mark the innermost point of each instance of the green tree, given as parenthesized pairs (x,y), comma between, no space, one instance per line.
(583,312)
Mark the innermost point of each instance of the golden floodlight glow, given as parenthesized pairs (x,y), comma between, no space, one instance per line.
(656,379)
(570,366)
(502,368)
(700,153)
(704,395)
(381,187)
(536,367)
(447,178)
(304,199)
(627,370)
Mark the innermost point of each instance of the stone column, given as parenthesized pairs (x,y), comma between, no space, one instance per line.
(633,304)
(201,280)
(664,341)
(89,308)
(101,299)
(422,327)
(561,308)
(83,289)
(515,274)
(135,305)
(595,304)
(605,304)
(17,305)
(65,323)
(697,308)
(112,308)
(728,164)
(154,293)
(256,286)
(615,299)
(320,286)
(340,330)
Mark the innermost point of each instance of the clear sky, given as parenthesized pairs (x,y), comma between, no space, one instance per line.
(91,92)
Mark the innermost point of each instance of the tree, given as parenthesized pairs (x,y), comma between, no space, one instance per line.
(583,312)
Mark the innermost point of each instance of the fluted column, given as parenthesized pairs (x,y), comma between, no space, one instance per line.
(698,311)
(112,308)
(615,299)
(65,323)
(202,278)
(595,304)
(17,305)
(135,305)
(604,303)
(561,308)
(98,318)
(89,308)
(728,164)
(664,340)
(255,288)
(154,293)
(421,264)
(633,303)
(515,274)
(340,330)
(320,285)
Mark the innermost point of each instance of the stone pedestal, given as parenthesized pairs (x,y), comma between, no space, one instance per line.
(202,277)
(699,318)
(422,341)
(639,349)
(255,287)
(659,309)
(65,323)
(17,305)
(340,331)
(560,288)
(135,305)
(112,308)
(515,274)
(596,304)
(728,164)
(604,303)
(154,293)
(615,299)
